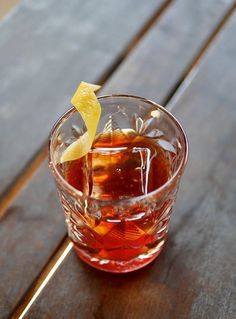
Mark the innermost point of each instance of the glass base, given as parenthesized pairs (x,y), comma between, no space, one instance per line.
(115,266)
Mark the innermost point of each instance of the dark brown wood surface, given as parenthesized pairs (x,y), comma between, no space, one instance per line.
(33,226)
(166,53)
(195,275)
(39,203)
(47,48)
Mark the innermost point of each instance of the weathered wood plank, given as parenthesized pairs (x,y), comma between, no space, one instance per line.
(195,275)
(156,67)
(11,294)
(29,233)
(36,49)
(46,49)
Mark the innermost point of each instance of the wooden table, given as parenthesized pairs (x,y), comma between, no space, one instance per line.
(182,55)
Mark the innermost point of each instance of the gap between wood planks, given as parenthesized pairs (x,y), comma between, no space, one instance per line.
(11,193)
(184,81)
(191,70)
(7,6)
(47,272)
(24,177)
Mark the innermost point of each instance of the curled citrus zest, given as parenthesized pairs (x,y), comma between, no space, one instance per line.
(86,103)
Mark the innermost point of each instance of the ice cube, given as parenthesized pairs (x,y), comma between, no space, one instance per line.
(115,173)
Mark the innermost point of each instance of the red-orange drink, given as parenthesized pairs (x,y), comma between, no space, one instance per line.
(123,166)
(118,198)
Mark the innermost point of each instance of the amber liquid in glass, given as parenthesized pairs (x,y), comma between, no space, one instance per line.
(120,165)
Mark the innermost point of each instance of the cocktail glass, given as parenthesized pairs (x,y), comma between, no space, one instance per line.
(120,233)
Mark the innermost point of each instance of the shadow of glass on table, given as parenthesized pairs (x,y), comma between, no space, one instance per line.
(156,291)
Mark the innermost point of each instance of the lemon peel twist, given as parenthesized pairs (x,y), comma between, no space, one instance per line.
(87,104)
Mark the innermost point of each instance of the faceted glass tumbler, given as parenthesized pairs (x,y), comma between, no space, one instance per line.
(125,234)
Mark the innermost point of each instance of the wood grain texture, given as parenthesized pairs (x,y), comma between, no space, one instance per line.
(195,275)
(12,288)
(47,48)
(157,66)
(29,233)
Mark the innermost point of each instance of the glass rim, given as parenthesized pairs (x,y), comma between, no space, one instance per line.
(72,190)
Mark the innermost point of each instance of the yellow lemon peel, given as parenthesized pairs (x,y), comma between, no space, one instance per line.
(86,103)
